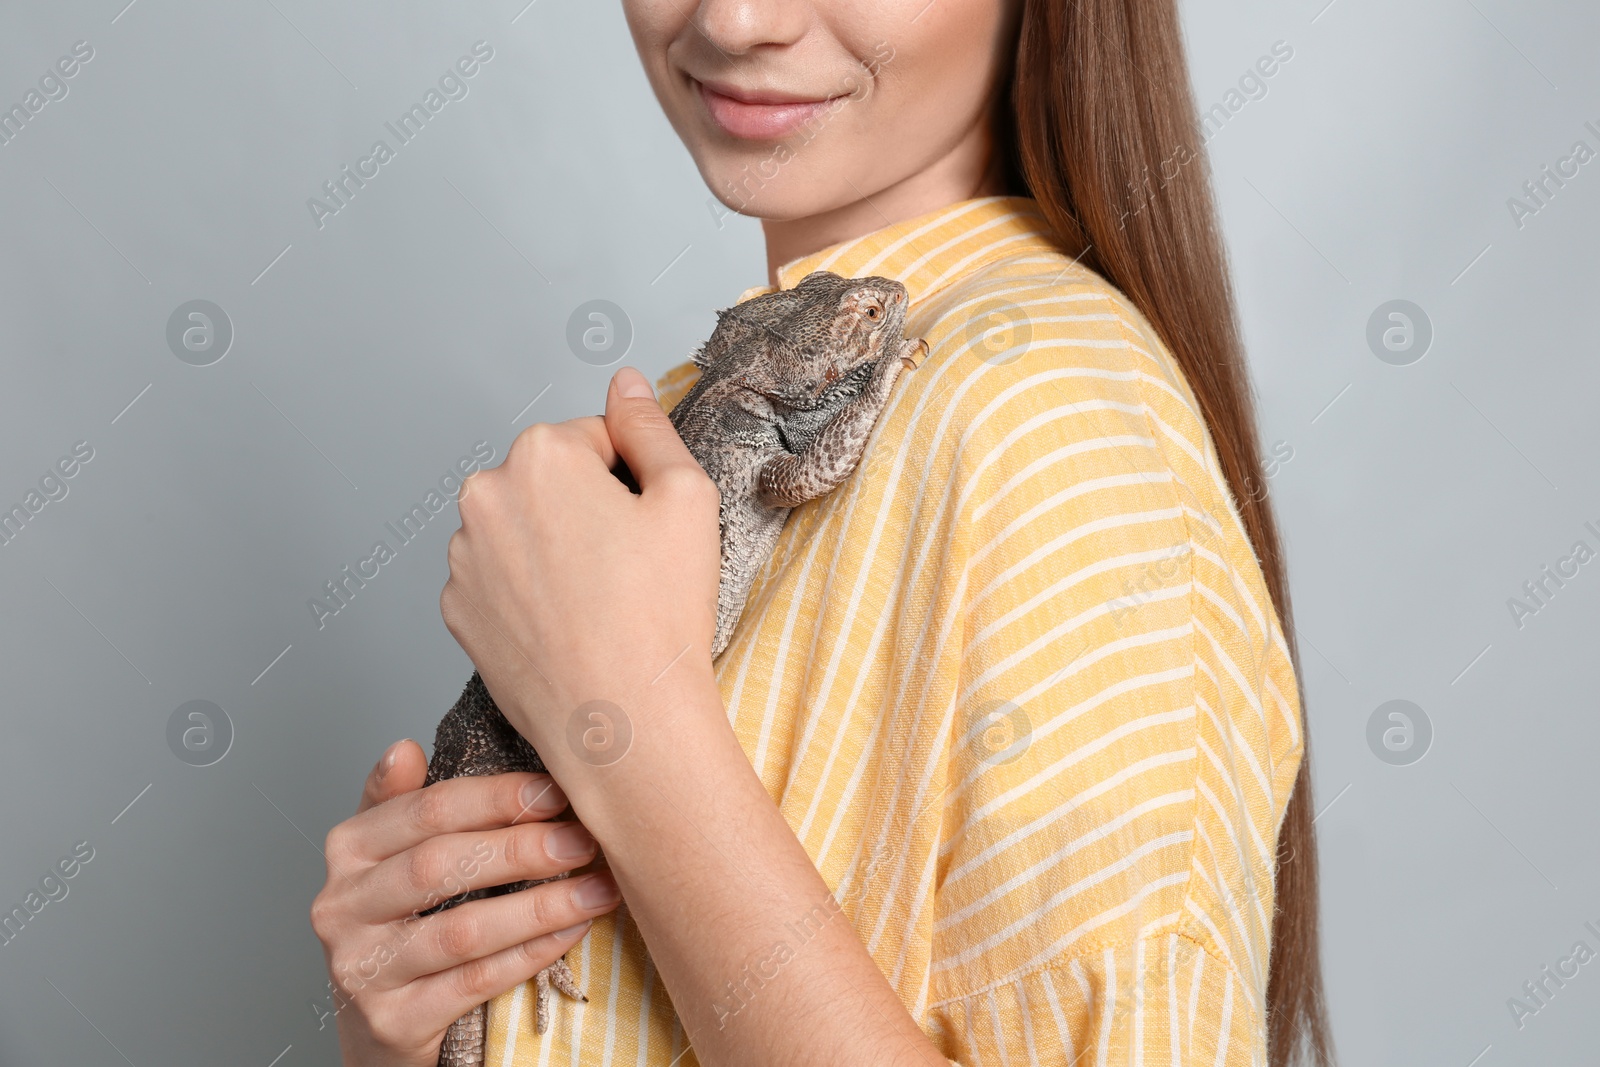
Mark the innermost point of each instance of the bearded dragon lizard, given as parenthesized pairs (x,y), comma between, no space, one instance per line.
(791,385)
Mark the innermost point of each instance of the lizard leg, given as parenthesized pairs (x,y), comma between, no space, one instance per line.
(541,1000)
(789,480)
(562,978)
(559,976)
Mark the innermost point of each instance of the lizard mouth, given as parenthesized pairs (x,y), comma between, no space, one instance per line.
(856,374)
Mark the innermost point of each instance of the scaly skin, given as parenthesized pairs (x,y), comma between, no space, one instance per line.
(790,388)
(475,738)
(791,385)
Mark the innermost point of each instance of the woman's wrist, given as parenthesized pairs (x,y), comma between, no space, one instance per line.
(621,760)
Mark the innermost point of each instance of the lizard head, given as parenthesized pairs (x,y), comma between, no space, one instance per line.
(823,330)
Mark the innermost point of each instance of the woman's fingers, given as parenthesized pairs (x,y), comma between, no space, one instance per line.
(409,848)
(643,435)
(456,805)
(402,768)
(473,933)
(452,993)
(593,430)
(451,864)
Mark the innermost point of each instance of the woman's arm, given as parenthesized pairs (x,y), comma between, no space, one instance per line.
(567,589)
(761,964)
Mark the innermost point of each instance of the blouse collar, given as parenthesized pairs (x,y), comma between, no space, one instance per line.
(932,250)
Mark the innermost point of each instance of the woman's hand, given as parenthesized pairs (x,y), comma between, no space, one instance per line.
(401,979)
(565,587)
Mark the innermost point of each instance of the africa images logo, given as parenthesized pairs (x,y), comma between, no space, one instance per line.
(342,589)
(452,86)
(52,87)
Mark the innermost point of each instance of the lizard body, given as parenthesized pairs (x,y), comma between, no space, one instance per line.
(791,385)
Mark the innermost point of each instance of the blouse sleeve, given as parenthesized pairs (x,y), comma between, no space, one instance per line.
(1125,733)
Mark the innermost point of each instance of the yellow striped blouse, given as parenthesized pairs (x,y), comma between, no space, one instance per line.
(1017,685)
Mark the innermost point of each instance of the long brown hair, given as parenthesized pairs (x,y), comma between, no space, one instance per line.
(1101,130)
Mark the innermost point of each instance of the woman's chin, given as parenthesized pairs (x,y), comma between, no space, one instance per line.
(783,195)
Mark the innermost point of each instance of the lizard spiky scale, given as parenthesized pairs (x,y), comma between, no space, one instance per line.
(790,387)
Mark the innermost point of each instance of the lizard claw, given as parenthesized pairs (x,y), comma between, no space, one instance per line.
(914,353)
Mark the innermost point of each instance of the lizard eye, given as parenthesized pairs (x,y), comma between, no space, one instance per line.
(873,311)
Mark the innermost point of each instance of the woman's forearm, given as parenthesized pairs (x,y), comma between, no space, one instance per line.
(761,963)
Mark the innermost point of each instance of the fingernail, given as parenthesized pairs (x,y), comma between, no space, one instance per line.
(542,792)
(630,382)
(572,933)
(568,842)
(390,754)
(600,891)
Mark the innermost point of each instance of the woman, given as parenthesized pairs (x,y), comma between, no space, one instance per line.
(1005,761)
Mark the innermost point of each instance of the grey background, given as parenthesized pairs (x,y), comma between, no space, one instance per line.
(371,354)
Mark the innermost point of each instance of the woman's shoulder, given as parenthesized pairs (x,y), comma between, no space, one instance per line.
(1038,363)
(1043,322)
(1072,414)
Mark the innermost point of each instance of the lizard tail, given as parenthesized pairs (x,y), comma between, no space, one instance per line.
(464,1042)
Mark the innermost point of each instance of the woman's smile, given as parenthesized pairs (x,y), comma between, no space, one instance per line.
(800,113)
(760,115)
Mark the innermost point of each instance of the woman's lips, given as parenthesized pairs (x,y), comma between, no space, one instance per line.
(752,118)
